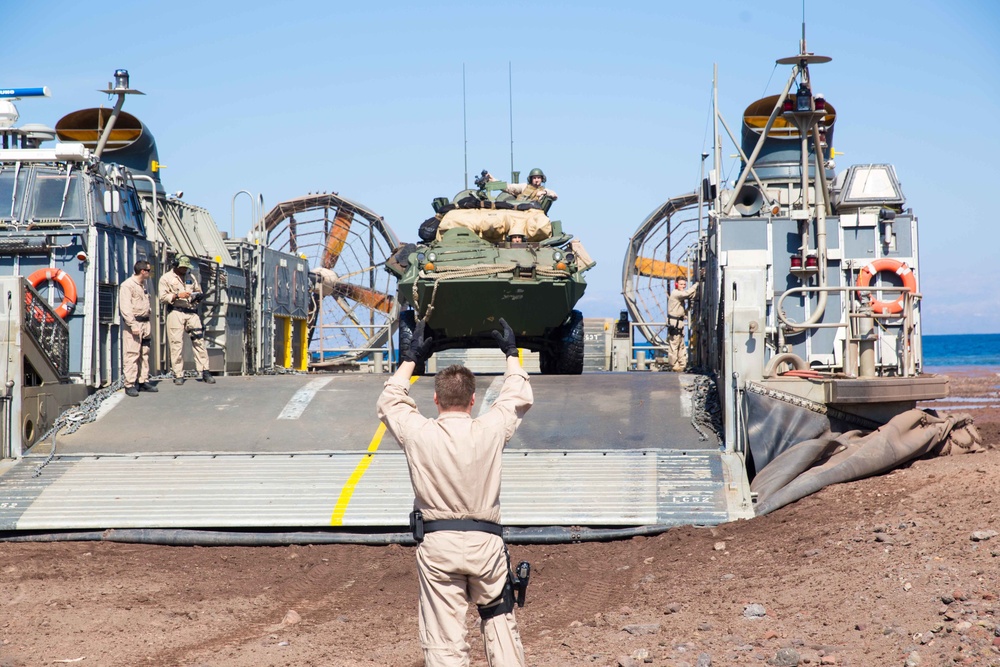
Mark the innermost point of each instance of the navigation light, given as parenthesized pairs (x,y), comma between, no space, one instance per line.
(121,79)
(803,98)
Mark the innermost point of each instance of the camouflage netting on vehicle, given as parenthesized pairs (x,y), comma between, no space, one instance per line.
(496,225)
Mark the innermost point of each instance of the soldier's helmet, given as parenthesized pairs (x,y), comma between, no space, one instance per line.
(536,172)
(184,262)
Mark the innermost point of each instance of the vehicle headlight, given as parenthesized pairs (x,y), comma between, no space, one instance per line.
(431,257)
(557,255)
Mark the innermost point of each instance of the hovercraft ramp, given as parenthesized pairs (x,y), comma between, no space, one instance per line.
(601,450)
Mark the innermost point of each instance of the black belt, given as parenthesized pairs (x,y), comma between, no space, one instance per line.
(464,524)
(183,310)
(142,318)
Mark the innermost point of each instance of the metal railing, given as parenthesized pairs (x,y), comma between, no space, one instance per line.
(47,329)
(356,353)
(862,334)
(637,353)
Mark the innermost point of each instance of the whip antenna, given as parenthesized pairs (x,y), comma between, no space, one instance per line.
(465,131)
(510,97)
(802,44)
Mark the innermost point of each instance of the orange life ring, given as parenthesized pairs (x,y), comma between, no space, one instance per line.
(894,266)
(36,311)
(65,282)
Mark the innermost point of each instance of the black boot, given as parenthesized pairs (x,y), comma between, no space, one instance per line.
(132,391)
(145,386)
(207,378)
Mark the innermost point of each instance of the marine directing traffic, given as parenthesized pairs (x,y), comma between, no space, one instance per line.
(455,466)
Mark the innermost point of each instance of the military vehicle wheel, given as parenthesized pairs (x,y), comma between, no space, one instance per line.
(407,325)
(545,362)
(567,355)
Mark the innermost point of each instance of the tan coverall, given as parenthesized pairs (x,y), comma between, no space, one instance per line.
(677,353)
(182,317)
(527,192)
(133,304)
(455,463)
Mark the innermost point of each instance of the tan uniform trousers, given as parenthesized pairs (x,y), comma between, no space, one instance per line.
(178,324)
(135,355)
(677,352)
(455,568)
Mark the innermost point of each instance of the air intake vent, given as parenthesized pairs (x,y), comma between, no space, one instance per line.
(107,304)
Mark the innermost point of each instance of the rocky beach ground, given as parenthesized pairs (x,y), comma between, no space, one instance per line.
(901,569)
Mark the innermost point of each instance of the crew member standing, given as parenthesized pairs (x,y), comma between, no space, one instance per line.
(533,190)
(677,353)
(181,295)
(454,464)
(133,304)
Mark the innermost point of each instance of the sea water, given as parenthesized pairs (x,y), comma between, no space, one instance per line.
(958,353)
(961,350)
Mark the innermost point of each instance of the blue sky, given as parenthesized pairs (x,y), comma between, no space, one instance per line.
(612,100)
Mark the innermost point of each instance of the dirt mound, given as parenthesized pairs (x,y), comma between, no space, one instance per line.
(902,569)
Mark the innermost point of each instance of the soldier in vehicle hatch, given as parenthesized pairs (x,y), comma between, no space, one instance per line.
(533,190)
(454,464)
(181,296)
(133,304)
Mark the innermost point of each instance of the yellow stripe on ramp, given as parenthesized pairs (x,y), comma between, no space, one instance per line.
(345,493)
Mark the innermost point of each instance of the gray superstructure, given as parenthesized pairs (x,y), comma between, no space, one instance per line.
(808,279)
(74,219)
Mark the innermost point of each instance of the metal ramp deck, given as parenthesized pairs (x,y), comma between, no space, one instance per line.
(306,451)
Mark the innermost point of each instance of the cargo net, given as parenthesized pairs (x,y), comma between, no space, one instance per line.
(353,308)
(47,329)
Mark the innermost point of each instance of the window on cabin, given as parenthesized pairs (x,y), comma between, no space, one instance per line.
(11,197)
(56,196)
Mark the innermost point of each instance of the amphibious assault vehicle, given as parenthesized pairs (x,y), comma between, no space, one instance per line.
(486,255)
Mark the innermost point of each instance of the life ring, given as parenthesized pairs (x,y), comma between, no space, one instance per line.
(37,311)
(894,266)
(65,282)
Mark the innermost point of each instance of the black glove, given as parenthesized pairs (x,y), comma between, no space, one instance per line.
(506,339)
(420,347)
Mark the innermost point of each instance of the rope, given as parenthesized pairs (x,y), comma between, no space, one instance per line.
(474,271)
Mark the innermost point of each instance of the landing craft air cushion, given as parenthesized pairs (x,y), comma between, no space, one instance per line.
(265,448)
(784,313)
